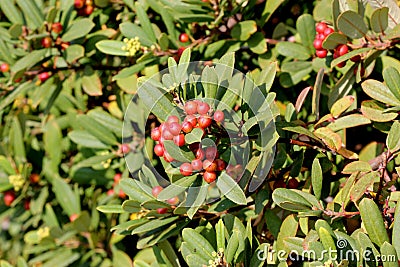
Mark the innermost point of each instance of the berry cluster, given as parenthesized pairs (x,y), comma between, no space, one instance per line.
(323,30)
(198,115)
(84,7)
(172,201)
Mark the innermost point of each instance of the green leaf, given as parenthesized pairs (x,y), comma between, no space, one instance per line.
(131,30)
(145,22)
(153,224)
(197,18)
(293,72)
(316,178)
(341,105)
(110,208)
(209,80)
(393,138)
(132,206)
(348,121)
(358,190)
(195,198)
(305,25)
(396,230)
(220,234)
(65,196)
(176,188)
(375,111)
(11,11)
(392,77)
(349,55)
(17,140)
(78,29)
(197,241)
(290,200)
(317,93)
(177,153)
(74,52)
(135,190)
(32,13)
(333,40)
(394,10)
(230,189)
(269,9)
(327,240)
(156,100)
(293,50)
(232,246)
(96,129)
(357,166)
(83,138)
(388,252)
(288,229)
(112,47)
(257,43)
(91,82)
(373,221)
(380,92)
(352,24)
(53,135)
(29,60)
(329,137)
(194,136)
(120,258)
(244,29)
(300,130)
(379,20)
(107,120)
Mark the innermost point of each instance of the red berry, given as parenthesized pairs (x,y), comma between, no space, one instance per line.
(321,53)
(293,183)
(355,58)
(167,157)
(186,169)
(279,184)
(121,194)
(209,177)
(27,204)
(317,44)
(341,64)
(183,37)
(197,165)
(57,27)
(342,49)
(192,119)
(174,128)
(221,165)
(43,76)
(79,4)
(219,116)
(156,134)
(202,108)
(180,51)
(194,147)
(167,135)
(162,210)
(125,148)
(9,197)
(211,153)
(190,107)
(4,67)
(46,42)
(204,121)
(159,150)
(200,154)
(328,31)
(179,140)
(34,178)
(110,192)
(172,119)
(187,127)
(156,190)
(65,45)
(173,200)
(321,27)
(73,217)
(209,166)
(320,36)
(88,10)
(117,178)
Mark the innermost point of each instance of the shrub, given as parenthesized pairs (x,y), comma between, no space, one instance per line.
(199,133)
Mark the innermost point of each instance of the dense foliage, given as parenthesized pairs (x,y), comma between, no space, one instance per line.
(199,133)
